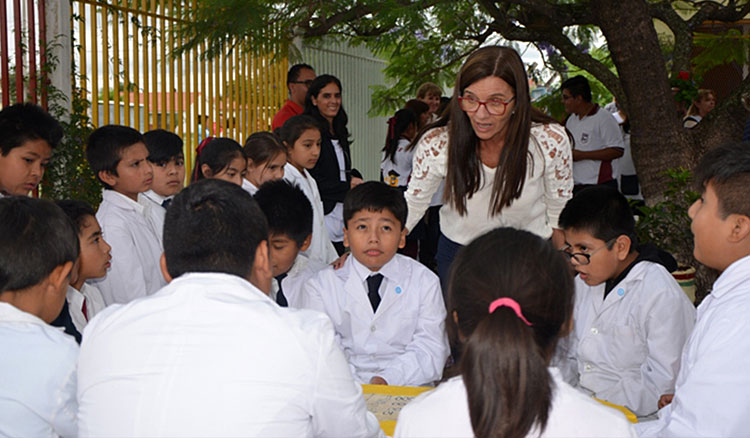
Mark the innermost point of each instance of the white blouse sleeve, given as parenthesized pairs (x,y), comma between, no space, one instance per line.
(558,168)
(428,171)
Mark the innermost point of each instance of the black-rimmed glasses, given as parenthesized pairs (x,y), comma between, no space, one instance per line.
(583,258)
(307,82)
(495,107)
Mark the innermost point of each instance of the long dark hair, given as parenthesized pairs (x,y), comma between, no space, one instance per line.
(340,131)
(464,165)
(218,153)
(504,361)
(397,124)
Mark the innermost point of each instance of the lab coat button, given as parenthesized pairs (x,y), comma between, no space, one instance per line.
(594,331)
(588,367)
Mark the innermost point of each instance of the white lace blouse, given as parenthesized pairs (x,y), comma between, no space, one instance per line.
(548,186)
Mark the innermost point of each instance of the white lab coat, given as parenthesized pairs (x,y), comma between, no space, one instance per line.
(626,348)
(404,342)
(321,247)
(211,355)
(152,201)
(38,380)
(75,298)
(444,412)
(249,187)
(128,228)
(302,270)
(711,397)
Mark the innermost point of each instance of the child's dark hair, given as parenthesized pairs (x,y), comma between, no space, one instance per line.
(287,210)
(163,146)
(294,127)
(105,145)
(213,226)
(397,124)
(35,237)
(339,122)
(504,360)
(417,106)
(375,196)
(261,147)
(76,210)
(217,153)
(22,122)
(601,211)
(727,168)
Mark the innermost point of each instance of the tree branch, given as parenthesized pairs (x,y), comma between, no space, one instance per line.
(683,34)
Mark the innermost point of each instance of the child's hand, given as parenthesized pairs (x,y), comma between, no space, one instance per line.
(665,400)
(339,262)
(355,182)
(377,380)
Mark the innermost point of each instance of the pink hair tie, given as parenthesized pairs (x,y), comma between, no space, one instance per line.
(509,302)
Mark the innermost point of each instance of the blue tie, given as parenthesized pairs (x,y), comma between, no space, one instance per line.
(280,298)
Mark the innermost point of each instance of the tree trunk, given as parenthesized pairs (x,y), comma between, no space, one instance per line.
(657,140)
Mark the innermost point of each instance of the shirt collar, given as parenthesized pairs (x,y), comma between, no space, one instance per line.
(10,313)
(248,186)
(736,275)
(152,195)
(123,201)
(389,270)
(292,104)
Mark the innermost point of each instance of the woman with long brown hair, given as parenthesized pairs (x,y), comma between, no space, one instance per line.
(510,298)
(504,163)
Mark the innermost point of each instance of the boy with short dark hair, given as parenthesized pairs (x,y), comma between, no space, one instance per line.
(168,160)
(38,248)
(83,300)
(119,159)
(711,391)
(290,216)
(631,317)
(387,308)
(29,134)
(210,354)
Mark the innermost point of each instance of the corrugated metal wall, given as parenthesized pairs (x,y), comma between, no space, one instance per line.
(357,69)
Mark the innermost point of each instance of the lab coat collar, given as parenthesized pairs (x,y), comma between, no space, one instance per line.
(248,186)
(10,313)
(734,277)
(234,285)
(390,271)
(153,196)
(121,201)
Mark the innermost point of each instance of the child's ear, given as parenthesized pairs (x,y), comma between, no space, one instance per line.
(163,267)
(740,227)
(260,273)
(107,177)
(346,237)
(306,243)
(206,170)
(622,246)
(402,239)
(60,276)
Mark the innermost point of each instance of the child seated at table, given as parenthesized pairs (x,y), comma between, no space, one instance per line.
(511,299)
(631,316)
(387,309)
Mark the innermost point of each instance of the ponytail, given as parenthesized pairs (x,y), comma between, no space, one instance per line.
(510,310)
(508,385)
(217,153)
(397,125)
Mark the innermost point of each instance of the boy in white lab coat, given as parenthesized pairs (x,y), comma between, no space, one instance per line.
(38,248)
(290,218)
(119,159)
(631,317)
(83,300)
(210,354)
(711,391)
(387,309)
(166,156)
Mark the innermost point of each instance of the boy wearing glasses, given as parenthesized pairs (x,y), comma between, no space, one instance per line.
(298,80)
(631,317)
